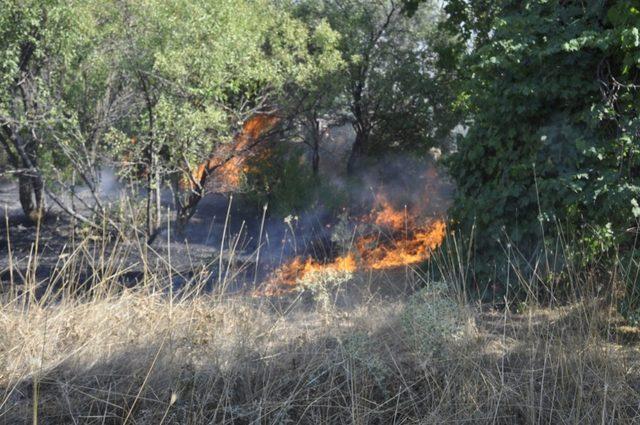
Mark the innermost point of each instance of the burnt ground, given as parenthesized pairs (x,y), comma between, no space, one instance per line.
(55,236)
(194,249)
(191,249)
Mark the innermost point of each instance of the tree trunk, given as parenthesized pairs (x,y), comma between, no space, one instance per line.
(357,150)
(153,198)
(361,124)
(31,193)
(315,154)
(154,215)
(30,185)
(157,190)
(149,205)
(315,158)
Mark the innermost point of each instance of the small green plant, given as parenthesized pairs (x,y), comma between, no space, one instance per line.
(361,349)
(322,283)
(430,319)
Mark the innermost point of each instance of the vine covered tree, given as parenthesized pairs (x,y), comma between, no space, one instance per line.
(553,131)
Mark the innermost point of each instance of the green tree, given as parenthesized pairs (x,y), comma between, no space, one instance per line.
(201,69)
(57,98)
(553,139)
(43,43)
(31,33)
(316,106)
(392,90)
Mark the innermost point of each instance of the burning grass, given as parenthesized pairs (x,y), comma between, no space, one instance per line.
(392,238)
(415,248)
(297,272)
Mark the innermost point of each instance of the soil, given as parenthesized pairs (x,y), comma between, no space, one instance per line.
(188,249)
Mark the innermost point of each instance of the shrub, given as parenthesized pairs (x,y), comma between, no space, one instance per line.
(431,319)
(283,178)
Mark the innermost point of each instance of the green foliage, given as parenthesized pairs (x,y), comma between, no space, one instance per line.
(199,69)
(176,77)
(472,21)
(391,88)
(431,319)
(30,33)
(554,130)
(283,179)
(45,55)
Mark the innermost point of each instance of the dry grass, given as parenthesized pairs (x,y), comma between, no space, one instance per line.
(110,355)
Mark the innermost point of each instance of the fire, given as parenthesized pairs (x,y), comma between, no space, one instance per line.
(289,276)
(227,162)
(230,174)
(414,249)
(388,216)
(406,244)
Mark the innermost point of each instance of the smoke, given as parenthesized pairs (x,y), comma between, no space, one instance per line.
(394,216)
(109,188)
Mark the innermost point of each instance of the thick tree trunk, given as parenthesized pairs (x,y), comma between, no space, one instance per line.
(23,157)
(25,191)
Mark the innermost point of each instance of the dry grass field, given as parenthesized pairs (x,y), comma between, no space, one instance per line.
(344,352)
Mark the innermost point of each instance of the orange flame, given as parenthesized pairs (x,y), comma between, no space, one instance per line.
(287,278)
(408,244)
(414,249)
(227,162)
(389,217)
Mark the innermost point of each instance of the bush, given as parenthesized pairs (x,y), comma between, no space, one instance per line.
(281,177)
(431,320)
